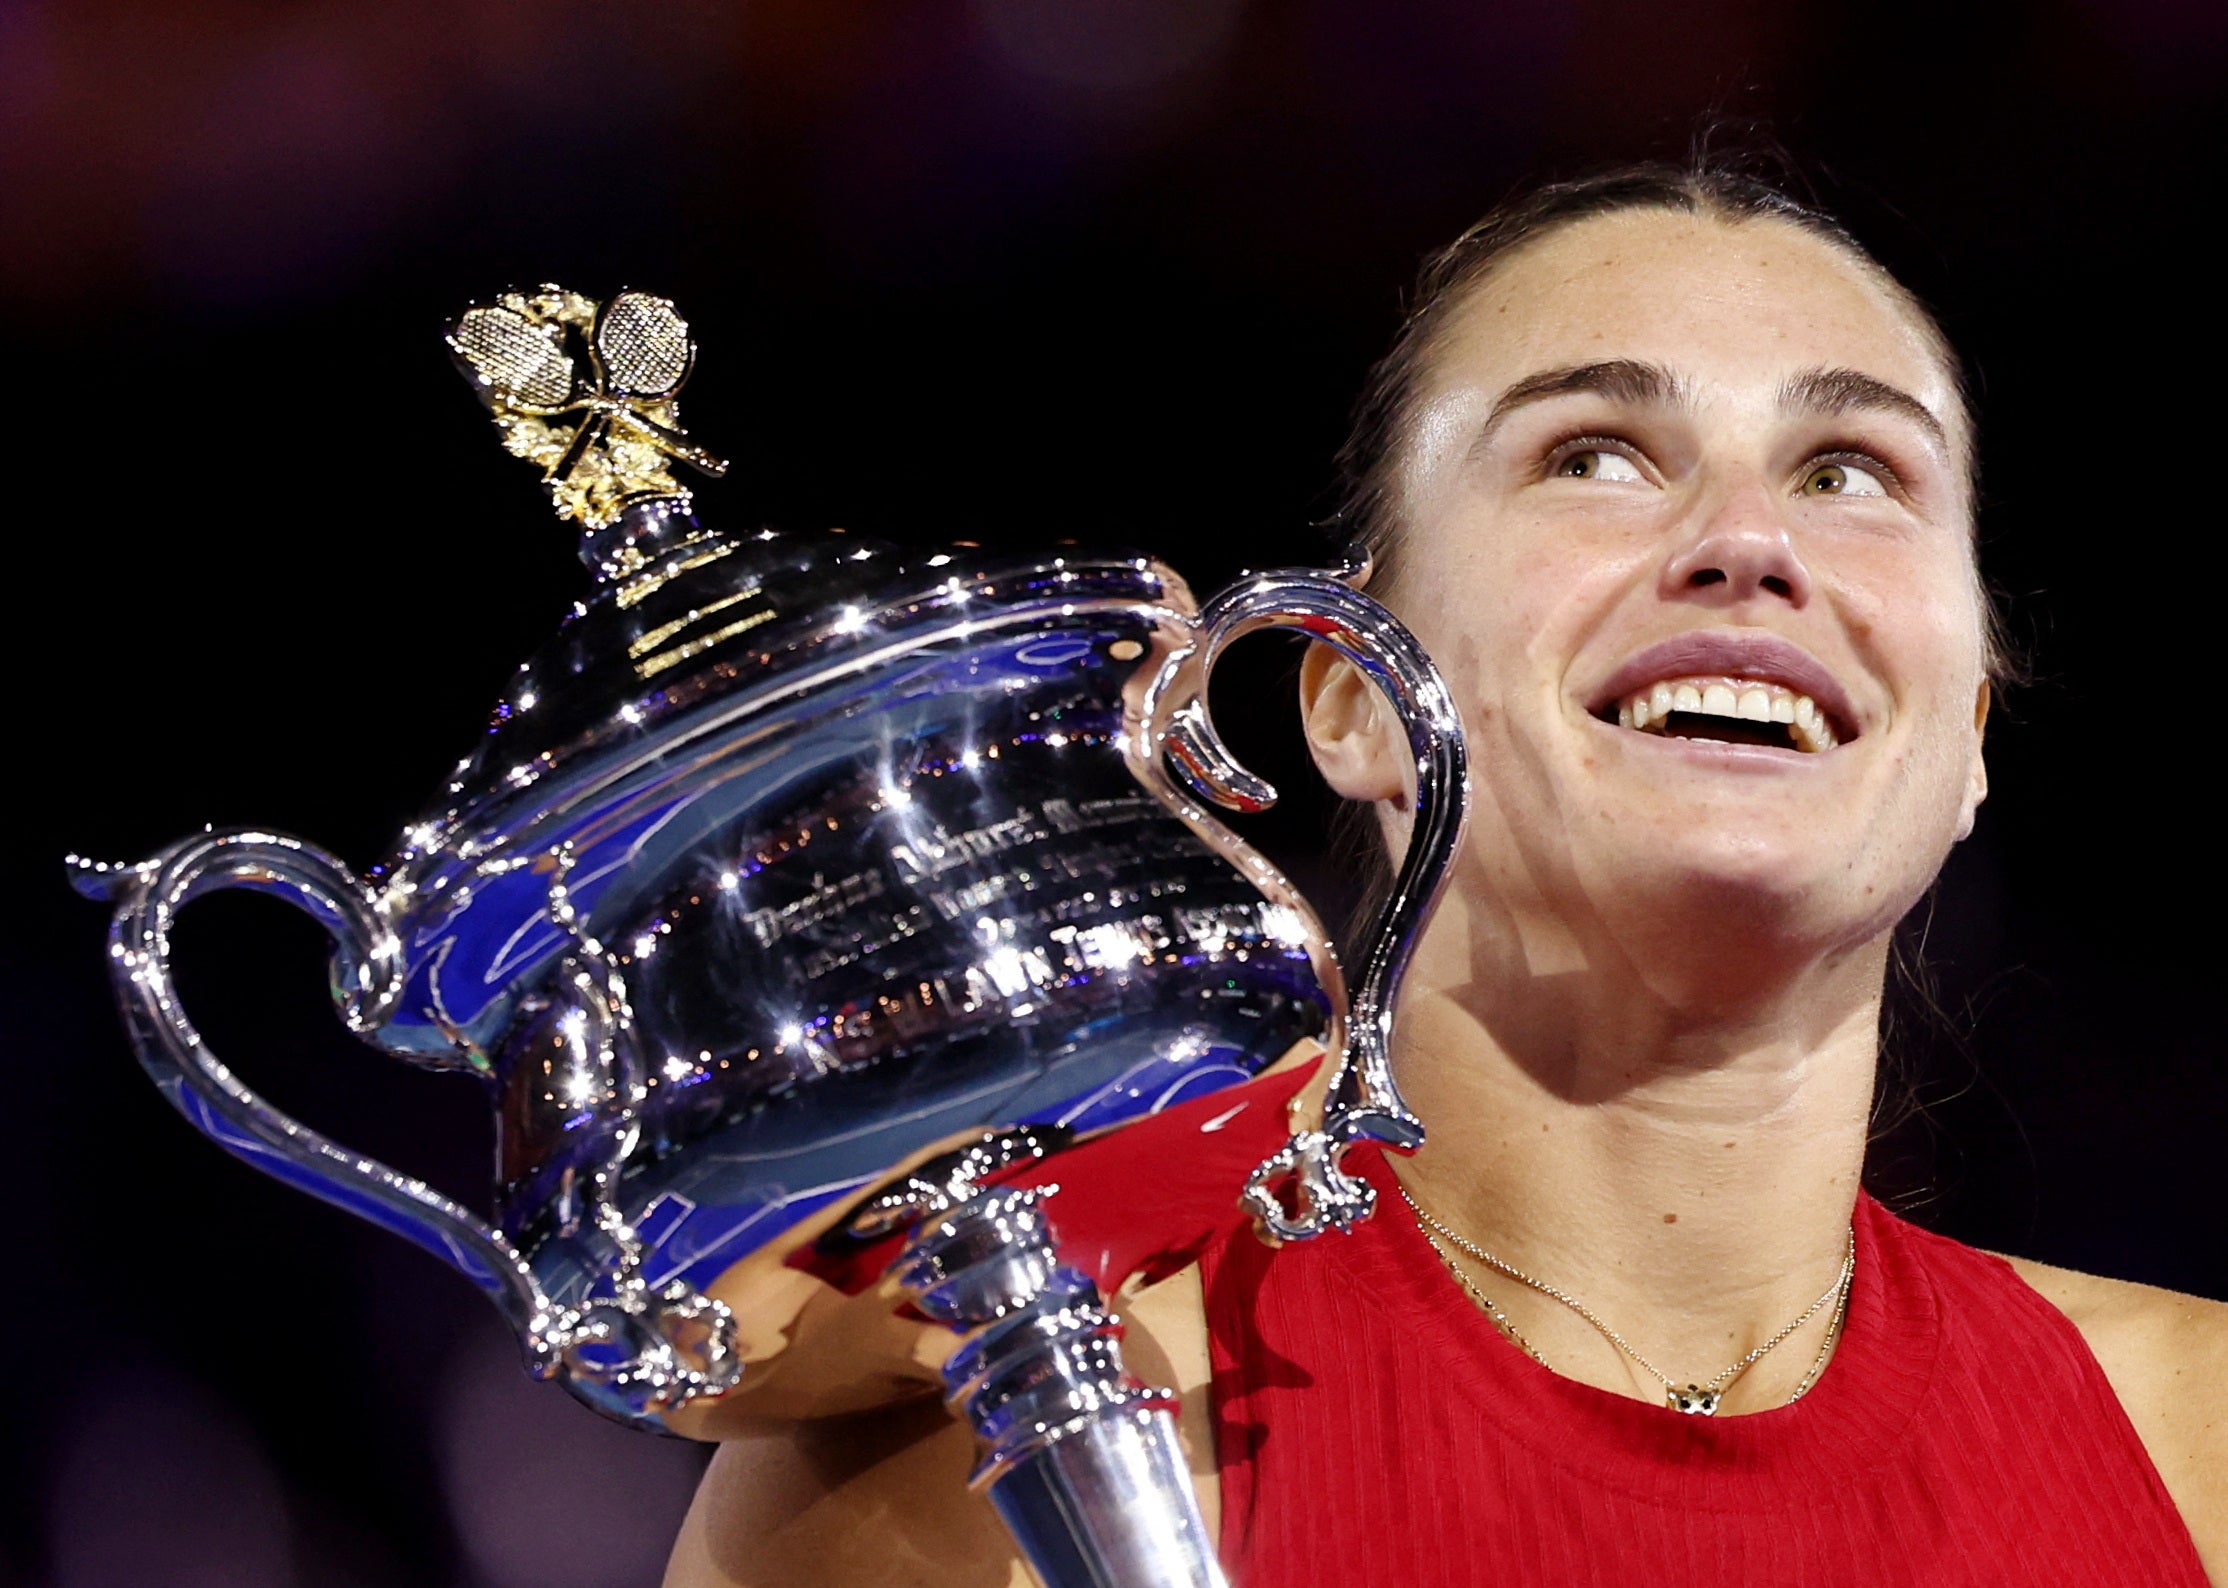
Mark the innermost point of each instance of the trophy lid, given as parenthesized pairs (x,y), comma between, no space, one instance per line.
(689,629)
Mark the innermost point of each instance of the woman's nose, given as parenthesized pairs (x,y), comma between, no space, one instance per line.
(1740,552)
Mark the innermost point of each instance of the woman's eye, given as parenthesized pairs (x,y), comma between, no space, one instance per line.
(1595,464)
(1842,479)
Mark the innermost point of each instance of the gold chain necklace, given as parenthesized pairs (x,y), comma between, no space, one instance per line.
(1700,1400)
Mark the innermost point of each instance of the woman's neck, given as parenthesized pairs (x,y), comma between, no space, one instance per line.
(1691,1180)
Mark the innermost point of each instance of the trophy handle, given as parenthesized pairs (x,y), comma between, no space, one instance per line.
(1362,1103)
(367,979)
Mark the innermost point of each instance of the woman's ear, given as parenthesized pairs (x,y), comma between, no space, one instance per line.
(1976,776)
(1357,745)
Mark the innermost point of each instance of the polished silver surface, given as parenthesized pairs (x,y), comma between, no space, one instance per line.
(1081,1461)
(1363,1103)
(800,890)
(633,1351)
(731,962)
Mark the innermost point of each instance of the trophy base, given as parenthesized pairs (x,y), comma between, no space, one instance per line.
(1143,1529)
(1081,1462)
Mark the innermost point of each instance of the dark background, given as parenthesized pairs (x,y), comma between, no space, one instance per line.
(1006,269)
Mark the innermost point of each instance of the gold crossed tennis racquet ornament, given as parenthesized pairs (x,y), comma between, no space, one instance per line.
(585,391)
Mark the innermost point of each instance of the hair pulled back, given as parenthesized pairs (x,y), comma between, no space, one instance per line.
(1369,514)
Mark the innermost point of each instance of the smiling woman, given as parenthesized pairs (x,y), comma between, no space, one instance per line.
(1674,481)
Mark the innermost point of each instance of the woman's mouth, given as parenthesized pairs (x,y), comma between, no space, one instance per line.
(1727,710)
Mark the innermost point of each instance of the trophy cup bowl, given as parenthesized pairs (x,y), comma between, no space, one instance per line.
(801,893)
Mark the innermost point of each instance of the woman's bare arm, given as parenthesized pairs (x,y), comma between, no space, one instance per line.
(881,1496)
(876,1497)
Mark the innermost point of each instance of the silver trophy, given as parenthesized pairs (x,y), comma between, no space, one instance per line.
(804,899)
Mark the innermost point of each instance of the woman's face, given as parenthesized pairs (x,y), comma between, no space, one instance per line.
(1688,531)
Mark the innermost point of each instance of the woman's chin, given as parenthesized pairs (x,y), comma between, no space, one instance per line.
(1745,906)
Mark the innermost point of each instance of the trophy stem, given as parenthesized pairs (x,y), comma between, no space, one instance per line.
(1080,1461)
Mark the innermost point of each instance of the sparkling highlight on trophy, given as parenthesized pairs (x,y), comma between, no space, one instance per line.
(809,909)
(520,354)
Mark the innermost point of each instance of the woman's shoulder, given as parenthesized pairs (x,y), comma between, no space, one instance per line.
(2166,1357)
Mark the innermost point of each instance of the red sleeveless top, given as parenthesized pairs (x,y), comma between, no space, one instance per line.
(1373,1426)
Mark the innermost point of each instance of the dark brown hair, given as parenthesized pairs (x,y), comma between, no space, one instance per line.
(1368,519)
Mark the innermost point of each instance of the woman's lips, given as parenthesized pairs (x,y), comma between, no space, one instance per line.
(1734,686)
(1729,710)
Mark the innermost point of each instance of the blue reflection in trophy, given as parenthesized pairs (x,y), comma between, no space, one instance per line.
(800,890)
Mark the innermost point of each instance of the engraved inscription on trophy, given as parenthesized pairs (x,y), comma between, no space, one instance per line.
(800,882)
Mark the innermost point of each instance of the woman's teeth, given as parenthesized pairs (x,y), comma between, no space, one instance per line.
(1732,710)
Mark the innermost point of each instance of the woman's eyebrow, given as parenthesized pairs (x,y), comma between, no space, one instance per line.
(1635,382)
(1829,392)
(1624,380)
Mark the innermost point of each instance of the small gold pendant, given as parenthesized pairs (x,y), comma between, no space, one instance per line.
(1694,1400)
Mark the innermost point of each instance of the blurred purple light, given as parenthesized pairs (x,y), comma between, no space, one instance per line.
(1107,44)
(159,1483)
(546,1494)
